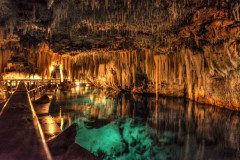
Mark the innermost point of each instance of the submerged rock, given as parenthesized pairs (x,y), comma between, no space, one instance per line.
(43,100)
(59,145)
(76,152)
(64,146)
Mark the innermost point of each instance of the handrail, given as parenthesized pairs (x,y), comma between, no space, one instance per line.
(31,79)
(38,87)
(38,126)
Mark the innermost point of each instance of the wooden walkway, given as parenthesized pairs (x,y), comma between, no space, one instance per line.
(49,126)
(21,136)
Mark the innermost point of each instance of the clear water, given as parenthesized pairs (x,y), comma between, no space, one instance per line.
(138,127)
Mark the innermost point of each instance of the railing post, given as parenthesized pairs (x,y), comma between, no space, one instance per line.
(11,86)
(34,95)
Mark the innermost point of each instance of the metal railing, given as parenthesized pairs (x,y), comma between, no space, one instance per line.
(36,87)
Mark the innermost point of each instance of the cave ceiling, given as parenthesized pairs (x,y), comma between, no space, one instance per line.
(80,25)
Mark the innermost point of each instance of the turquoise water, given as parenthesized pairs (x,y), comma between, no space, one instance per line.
(127,126)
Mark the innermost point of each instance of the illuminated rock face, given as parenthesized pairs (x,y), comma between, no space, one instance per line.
(194,75)
(175,48)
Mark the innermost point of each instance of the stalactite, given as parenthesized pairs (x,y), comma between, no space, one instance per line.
(45,59)
(157,63)
(236,11)
(5,55)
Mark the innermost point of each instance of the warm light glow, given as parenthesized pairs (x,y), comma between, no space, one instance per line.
(17,75)
(77,83)
(91,97)
(52,68)
(61,73)
(14,83)
(103,79)
(62,124)
(103,99)
(51,128)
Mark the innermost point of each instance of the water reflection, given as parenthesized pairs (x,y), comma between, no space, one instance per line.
(129,126)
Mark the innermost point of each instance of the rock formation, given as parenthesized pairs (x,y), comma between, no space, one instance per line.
(64,146)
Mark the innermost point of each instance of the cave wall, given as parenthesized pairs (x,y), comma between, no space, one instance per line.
(176,48)
(4,57)
(202,62)
(196,76)
(39,58)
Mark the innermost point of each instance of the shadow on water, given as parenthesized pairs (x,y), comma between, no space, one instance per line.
(127,126)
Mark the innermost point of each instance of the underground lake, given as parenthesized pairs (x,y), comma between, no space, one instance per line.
(127,126)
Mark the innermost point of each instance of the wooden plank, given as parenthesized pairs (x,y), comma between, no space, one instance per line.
(49,126)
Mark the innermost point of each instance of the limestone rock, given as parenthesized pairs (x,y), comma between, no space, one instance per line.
(64,146)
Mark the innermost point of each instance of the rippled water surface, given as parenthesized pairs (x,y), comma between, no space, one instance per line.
(130,127)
